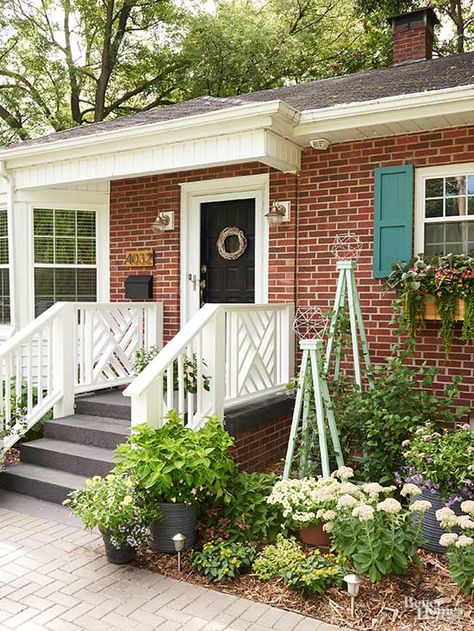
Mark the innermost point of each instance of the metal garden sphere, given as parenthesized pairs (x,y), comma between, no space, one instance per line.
(310,323)
(347,247)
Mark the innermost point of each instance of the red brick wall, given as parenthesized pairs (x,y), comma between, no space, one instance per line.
(260,448)
(332,194)
(336,190)
(134,204)
(412,42)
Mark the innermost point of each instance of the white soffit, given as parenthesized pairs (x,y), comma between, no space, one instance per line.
(259,145)
(389,116)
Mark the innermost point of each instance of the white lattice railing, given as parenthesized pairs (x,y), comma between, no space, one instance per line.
(223,354)
(70,348)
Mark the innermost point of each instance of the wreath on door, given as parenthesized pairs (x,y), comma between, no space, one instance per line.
(233,255)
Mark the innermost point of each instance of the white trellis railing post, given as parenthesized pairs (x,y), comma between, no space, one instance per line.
(213,354)
(64,363)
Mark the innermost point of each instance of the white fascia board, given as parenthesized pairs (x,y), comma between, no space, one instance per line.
(233,119)
(384,111)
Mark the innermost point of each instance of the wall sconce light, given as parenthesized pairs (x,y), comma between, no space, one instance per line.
(164,221)
(279,213)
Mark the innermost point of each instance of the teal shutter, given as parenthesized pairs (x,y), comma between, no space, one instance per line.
(393,221)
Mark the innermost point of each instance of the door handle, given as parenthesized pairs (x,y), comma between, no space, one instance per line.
(193,278)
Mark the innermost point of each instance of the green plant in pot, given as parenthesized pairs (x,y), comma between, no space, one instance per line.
(114,506)
(176,469)
(441,463)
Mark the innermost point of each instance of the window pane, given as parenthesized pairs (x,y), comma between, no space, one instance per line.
(434,208)
(3,223)
(44,250)
(85,224)
(470,205)
(434,187)
(43,222)
(65,251)
(4,296)
(455,206)
(3,251)
(455,238)
(65,284)
(455,186)
(86,251)
(65,223)
(86,285)
(470,184)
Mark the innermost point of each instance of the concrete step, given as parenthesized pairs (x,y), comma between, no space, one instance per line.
(111,404)
(96,431)
(46,484)
(83,460)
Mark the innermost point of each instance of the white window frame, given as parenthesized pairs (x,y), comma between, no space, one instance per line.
(423,174)
(102,246)
(193,194)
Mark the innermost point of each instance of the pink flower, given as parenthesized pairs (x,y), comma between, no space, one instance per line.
(427,437)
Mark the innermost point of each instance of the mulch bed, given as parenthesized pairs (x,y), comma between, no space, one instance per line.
(386,606)
(12,456)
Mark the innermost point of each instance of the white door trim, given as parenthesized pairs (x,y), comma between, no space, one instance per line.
(193,194)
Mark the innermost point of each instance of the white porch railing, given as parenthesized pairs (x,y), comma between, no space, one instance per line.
(223,354)
(70,348)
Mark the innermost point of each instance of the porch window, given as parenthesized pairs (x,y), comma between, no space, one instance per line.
(4,269)
(65,257)
(448,214)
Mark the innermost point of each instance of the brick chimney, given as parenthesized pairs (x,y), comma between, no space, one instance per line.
(413,35)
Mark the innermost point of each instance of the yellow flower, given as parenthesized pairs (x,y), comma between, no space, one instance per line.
(128,499)
(96,479)
(88,482)
(129,483)
(110,477)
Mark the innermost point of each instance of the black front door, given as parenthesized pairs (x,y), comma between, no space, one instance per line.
(228,251)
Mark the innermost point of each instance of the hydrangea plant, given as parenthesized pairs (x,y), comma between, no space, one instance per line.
(460,546)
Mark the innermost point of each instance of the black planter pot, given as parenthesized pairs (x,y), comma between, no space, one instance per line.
(119,556)
(176,518)
(432,531)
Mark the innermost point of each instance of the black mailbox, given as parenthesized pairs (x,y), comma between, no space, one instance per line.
(139,287)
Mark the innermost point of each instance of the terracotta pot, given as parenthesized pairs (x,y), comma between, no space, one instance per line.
(315,536)
(432,314)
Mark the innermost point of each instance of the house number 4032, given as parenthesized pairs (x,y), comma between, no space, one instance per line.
(139,258)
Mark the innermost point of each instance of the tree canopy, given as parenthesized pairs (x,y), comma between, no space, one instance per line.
(73,62)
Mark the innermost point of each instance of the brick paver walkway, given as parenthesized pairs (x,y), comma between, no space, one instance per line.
(55,576)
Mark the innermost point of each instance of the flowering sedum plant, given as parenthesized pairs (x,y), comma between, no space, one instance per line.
(443,462)
(374,530)
(460,546)
(305,502)
(112,505)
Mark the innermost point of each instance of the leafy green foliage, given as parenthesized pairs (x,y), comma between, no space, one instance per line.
(144,356)
(461,567)
(220,560)
(314,573)
(460,546)
(246,516)
(176,464)
(275,558)
(444,459)
(382,417)
(113,505)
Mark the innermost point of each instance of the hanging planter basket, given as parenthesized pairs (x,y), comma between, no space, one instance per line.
(431,313)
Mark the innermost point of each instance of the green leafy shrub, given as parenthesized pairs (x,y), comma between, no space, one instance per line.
(113,505)
(460,546)
(382,417)
(220,560)
(314,573)
(247,516)
(443,461)
(274,559)
(176,464)
(143,357)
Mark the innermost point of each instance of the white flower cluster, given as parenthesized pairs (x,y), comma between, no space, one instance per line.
(468,507)
(390,506)
(363,512)
(420,506)
(410,489)
(446,517)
